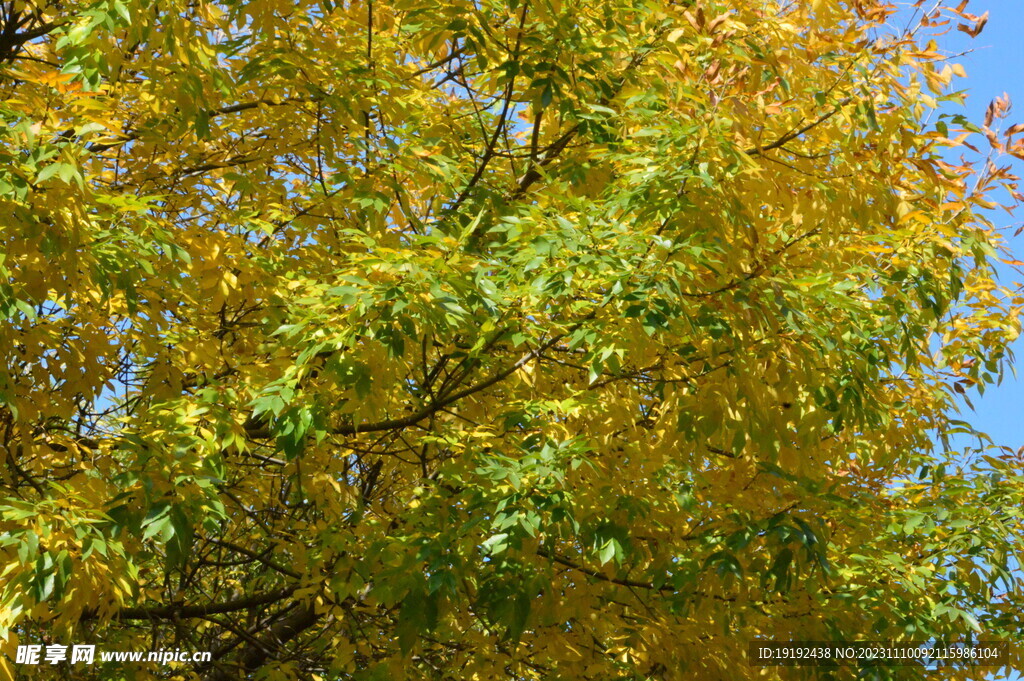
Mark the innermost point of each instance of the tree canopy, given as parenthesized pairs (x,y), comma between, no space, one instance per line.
(481,339)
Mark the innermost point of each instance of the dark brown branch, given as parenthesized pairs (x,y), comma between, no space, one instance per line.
(792,135)
(534,172)
(188,611)
(11,40)
(755,272)
(454,54)
(597,575)
(432,408)
(211,113)
(502,120)
(279,633)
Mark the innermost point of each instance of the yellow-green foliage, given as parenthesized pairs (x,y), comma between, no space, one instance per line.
(526,339)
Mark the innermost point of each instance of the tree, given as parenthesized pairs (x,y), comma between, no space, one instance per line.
(531,339)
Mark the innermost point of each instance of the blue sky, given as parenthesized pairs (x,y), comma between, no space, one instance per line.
(995,65)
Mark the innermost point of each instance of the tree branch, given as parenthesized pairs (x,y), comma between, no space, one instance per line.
(189,611)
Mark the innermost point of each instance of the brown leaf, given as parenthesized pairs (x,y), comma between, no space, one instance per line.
(997,108)
(992,139)
(974,30)
(1003,105)
(712,71)
(717,21)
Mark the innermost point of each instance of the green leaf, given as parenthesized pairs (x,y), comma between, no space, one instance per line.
(49,171)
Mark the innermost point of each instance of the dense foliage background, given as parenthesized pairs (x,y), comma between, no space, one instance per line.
(531,339)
